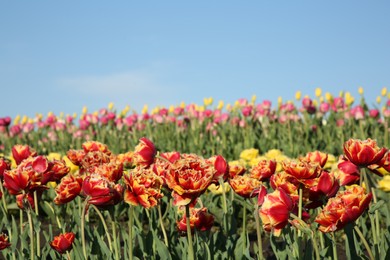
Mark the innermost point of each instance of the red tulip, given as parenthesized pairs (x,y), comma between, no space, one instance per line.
(200,219)
(63,242)
(144,152)
(347,173)
(263,170)
(363,153)
(345,208)
(301,169)
(316,157)
(4,241)
(4,165)
(21,152)
(101,191)
(275,211)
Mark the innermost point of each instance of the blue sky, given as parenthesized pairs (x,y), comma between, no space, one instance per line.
(63,55)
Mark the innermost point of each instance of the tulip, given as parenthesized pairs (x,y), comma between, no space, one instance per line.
(321,188)
(285,181)
(275,211)
(301,169)
(316,157)
(189,177)
(144,152)
(347,173)
(94,146)
(345,208)
(384,184)
(4,165)
(112,171)
(68,189)
(263,170)
(245,185)
(63,242)
(101,191)
(220,165)
(4,241)
(200,219)
(363,153)
(143,187)
(21,152)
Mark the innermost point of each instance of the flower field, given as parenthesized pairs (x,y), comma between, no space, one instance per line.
(302,179)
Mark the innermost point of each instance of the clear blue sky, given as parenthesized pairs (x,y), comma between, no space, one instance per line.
(61,55)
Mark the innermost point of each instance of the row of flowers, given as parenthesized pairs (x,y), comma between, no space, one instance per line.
(302,193)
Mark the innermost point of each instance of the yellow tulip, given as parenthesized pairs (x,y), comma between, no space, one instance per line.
(378,99)
(253,99)
(54,156)
(384,184)
(208,101)
(17,119)
(171,109)
(298,95)
(318,92)
(280,101)
(155,110)
(360,90)
(218,189)
(255,161)
(110,106)
(73,168)
(220,105)
(384,91)
(273,153)
(228,107)
(96,113)
(145,109)
(200,108)
(349,99)
(74,115)
(85,110)
(24,119)
(182,104)
(249,154)
(328,97)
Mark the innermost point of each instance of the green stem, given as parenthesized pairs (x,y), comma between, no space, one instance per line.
(364,242)
(37,233)
(162,225)
(82,231)
(114,234)
(189,235)
(373,228)
(3,198)
(315,246)
(300,208)
(377,225)
(131,217)
(30,223)
(104,225)
(224,205)
(334,246)
(259,242)
(244,229)
(57,218)
(68,255)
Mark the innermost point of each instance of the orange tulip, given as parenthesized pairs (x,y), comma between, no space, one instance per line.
(301,169)
(363,153)
(94,146)
(245,185)
(68,189)
(63,242)
(263,170)
(316,157)
(345,208)
(189,177)
(143,187)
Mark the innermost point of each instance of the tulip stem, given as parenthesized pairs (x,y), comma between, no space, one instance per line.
(104,225)
(189,235)
(131,217)
(224,205)
(244,228)
(37,233)
(3,198)
(300,209)
(377,225)
(334,246)
(162,225)
(259,242)
(30,223)
(364,242)
(114,234)
(68,255)
(82,231)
